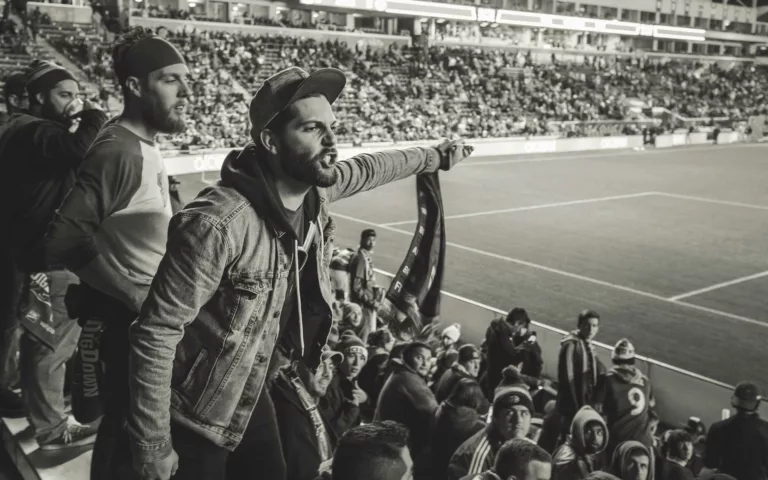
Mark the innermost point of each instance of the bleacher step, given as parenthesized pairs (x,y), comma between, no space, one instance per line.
(35,464)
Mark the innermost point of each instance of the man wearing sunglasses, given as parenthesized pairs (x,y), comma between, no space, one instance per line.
(247,263)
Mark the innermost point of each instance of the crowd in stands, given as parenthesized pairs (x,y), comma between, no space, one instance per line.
(389,398)
(400,94)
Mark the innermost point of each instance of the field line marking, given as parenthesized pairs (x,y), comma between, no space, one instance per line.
(712,200)
(623,152)
(563,273)
(718,286)
(563,332)
(534,207)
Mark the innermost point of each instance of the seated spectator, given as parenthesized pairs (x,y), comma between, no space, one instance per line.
(343,398)
(468,366)
(306,434)
(632,461)
(510,418)
(738,446)
(352,320)
(677,452)
(625,398)
(457,418)
(519,460)
(406,398)
(582,453)
(376,451)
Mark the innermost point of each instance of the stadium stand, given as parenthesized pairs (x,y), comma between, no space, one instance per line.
(419,93)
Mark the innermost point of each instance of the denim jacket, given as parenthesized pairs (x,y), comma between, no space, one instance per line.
(201,346)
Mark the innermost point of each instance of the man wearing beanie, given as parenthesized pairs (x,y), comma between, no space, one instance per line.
(112,228)
(341,403)
(467,366)
(363,289)
(625,398)
(246,269)
(510,341)
(738,446)
(510,419)
(41,156)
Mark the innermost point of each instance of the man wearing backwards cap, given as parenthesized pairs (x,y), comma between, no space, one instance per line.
(112,228)
(511,418)
(40,156)
(738,446)
(247,263)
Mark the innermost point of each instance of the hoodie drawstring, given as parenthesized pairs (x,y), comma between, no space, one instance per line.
(298,293)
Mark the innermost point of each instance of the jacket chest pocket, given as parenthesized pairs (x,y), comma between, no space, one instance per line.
(251,295)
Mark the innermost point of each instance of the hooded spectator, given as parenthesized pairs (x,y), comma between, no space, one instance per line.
(406,398)
(625,398)
(373,375)
(510,341)
(376,451)
(632,461)
(677,452)
(306,435)
(510,418)
(577,368)
(582,453)
(457,418)
(738,446)
(446,350)
(468,366)
(343,399)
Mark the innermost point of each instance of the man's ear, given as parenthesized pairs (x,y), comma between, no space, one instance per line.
(40,98)
(269,141)
(13,100)
(133,85)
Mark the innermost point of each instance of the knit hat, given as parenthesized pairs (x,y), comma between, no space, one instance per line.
(624,351)
(468,352)
(349,309)
(512,390)
(453,332)
(351,343)
(41,76)
(145,56)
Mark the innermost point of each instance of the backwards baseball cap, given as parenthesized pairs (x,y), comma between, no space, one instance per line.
(41,76)
(145,56)
(746,396)
(468,352)
(284,88)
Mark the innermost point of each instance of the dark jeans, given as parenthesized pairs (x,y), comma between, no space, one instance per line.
(259,455)
(111,458)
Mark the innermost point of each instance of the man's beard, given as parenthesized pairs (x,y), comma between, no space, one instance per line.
(48,112)
(162,120)
(305,168)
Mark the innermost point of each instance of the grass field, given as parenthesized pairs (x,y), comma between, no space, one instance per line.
(670,246)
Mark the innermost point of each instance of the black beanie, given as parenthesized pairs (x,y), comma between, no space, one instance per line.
(146,56)
(41,76)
